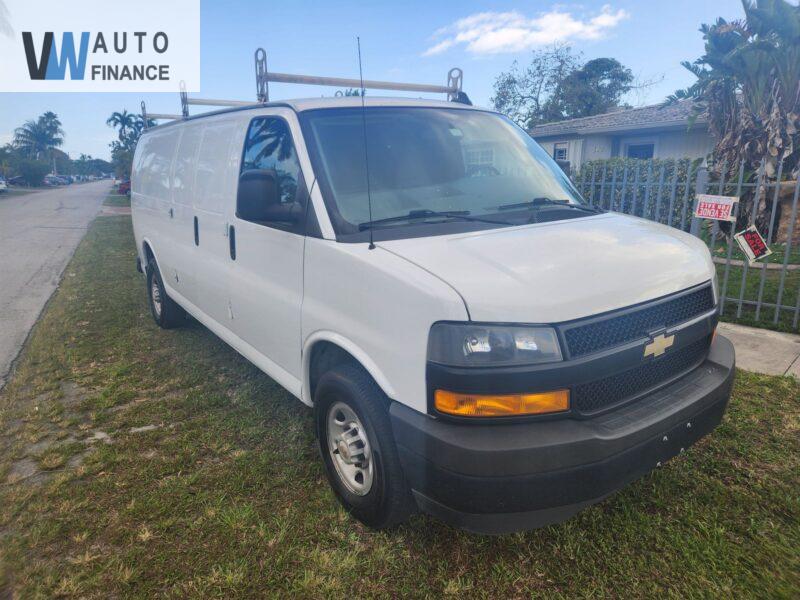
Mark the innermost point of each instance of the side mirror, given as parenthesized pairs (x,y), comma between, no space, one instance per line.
(258,189)
(258,199)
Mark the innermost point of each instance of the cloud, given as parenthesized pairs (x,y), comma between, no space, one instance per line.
(498,32)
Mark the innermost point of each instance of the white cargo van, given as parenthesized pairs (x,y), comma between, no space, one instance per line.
(475,340)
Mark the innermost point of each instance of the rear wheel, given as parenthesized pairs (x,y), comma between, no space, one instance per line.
(358,449)
(166,312)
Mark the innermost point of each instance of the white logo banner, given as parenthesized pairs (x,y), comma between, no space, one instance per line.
(99,45)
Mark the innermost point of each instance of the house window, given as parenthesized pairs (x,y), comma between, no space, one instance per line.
(560,151)
(641,151)
(483,156)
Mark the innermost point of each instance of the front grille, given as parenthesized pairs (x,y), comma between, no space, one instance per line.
(603,393)
(634,324)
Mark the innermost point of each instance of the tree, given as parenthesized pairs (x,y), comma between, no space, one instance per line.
(124,121)
(130,127)
(523,94)
(747,83)
(554,87)
(52,125)
(82,164)
(748,86)
(37,138)
(32,171)
(594,89)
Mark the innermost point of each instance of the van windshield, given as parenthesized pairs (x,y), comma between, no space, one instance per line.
(454,167)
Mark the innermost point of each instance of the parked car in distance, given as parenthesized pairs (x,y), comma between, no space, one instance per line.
(124,188)
(475,340)
(55,180)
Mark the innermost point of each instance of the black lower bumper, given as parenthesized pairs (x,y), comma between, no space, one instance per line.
(507,477)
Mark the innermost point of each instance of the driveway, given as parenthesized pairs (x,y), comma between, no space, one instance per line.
(38,234)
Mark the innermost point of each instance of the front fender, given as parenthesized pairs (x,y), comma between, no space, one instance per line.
(351,348)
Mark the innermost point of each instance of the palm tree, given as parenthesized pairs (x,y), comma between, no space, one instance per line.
(52,124)
(82,164)
(748,84)
(124,121)
(37,138)
(271,135)
(140,124)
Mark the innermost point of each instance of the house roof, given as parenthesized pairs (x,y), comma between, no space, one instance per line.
(655,116)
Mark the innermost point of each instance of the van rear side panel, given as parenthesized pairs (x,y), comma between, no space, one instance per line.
(183,191)
(151,195)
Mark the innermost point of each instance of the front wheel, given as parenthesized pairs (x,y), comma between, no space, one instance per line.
(358,449)
(166,312)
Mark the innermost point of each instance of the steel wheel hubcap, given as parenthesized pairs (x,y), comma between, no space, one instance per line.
(155,294)
(349,448)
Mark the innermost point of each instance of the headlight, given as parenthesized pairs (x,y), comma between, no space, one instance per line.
(472,345)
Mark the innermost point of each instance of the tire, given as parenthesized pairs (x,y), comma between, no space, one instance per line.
(166,312)
(387,500)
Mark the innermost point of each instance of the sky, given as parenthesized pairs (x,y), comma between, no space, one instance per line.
(415,41)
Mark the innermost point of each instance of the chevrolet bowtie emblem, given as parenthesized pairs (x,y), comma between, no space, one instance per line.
(658,345)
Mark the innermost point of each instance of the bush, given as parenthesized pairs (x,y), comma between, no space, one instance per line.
(33,171)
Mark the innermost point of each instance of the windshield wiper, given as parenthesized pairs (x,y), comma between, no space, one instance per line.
(425,213)
(537,202)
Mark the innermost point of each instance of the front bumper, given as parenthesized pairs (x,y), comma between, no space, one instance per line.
(498,478)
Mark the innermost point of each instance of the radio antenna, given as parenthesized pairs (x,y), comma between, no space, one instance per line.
(366,153)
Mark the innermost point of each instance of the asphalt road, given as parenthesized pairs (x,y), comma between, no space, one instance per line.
(38,234)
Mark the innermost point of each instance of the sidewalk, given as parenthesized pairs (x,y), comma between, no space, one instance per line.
(764,351)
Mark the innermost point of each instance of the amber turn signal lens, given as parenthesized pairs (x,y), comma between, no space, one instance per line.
(476,405)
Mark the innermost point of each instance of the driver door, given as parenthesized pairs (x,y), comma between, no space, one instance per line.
(266,248)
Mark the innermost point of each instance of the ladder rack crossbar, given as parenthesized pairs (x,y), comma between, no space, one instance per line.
(218,102)
(163,116)
(355,83)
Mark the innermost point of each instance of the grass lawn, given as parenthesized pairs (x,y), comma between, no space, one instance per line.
(752,287)
(139,462)
(720,250)
(117,200)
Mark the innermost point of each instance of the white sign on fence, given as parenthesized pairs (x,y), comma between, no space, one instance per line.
(719,208)
(752,244)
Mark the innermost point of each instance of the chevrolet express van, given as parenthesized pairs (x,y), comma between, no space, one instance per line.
(476,341)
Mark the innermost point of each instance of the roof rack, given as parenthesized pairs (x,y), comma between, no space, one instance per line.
(264,76)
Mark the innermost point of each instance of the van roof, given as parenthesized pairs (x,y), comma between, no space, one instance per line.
(304,104)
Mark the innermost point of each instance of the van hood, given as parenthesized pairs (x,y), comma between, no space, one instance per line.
(564,270)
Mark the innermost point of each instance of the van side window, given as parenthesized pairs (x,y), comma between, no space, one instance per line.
(271,188)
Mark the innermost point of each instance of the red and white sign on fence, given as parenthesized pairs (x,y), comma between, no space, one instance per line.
(719,208)
(752,244)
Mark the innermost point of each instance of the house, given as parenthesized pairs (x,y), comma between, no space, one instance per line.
(655,131)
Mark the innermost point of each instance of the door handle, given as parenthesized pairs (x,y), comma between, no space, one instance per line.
(196,232)
(232,242)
